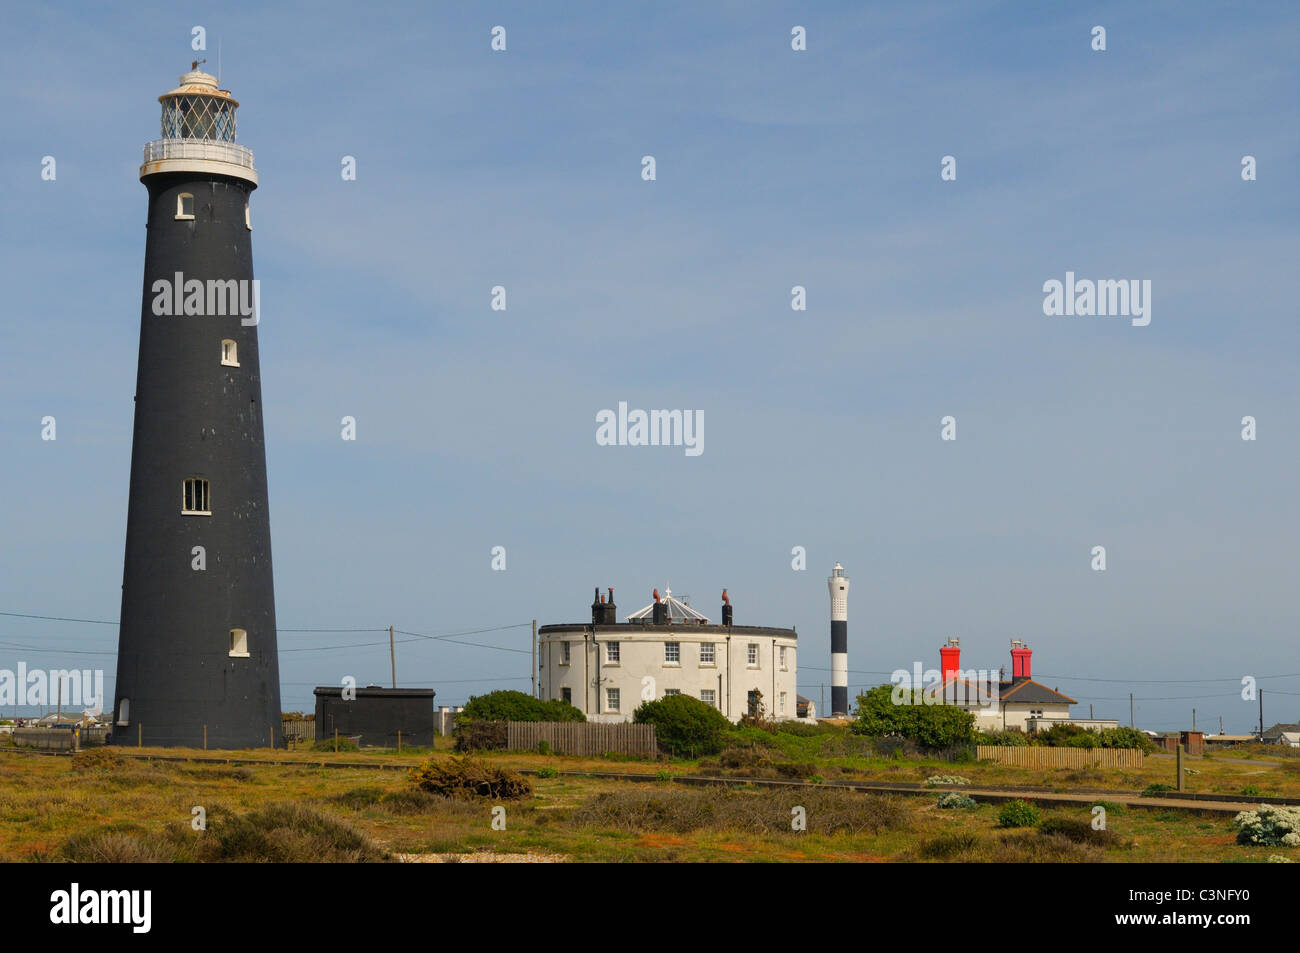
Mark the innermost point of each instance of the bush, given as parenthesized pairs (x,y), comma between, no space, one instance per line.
(1009,739)
(509,705)
(286,833)
(546,771)
(935,779)
(96,760)
(932,726)
(949,845)
(684,726)
(1077,830)
(480,735)
(1272,825)
(1019,814)
(470,778)
(954,799)
(328,744)
(1156,789)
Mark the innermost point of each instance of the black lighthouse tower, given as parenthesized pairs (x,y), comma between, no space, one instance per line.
(197,658)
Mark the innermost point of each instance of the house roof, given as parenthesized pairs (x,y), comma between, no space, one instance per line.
(1280,729)
(678,611)
(1029,692)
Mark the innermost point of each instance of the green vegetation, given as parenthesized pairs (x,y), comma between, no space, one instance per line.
(932,726)
(1272,826)
(508,705)
(956,800)
(469,778)
(684,726)
(1019,814)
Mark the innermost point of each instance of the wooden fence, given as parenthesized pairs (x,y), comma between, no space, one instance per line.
(583,737)
(1036,757)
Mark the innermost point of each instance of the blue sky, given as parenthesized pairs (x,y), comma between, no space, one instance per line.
(775,168)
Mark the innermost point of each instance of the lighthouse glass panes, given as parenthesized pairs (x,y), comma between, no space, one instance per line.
(198,117)
(195,498)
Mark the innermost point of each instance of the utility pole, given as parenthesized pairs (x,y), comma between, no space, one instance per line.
(392,654)
(534,658)
(1090,711)
(1261,714)
(1130,709)
(1193,719)
(822,708)
(1220,724)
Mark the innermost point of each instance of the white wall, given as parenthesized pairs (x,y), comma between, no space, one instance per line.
(641,655)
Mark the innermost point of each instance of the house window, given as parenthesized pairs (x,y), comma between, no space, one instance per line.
(782,704)
(707,653)
(195,500)
(672,653)
(672,691)
(709,697)
(565,651)
(751,655)
(229,353)
(752,702)
(238,643)
(783,658)
(567,695)
(611,699)
(248,218)
(611,653)
(185,207)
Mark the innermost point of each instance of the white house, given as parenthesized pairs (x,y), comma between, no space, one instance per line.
(607,668)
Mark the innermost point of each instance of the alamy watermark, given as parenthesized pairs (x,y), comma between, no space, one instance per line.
(654,428)
(1107,297)
(966,688)
(216,297)
(44,687)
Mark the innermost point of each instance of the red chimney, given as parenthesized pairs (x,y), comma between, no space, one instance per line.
(950,658)
(1020,655)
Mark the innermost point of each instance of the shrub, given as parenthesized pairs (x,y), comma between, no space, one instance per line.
(1076,829)
(936,779)
(1156,789)
(684,726)
(1272,825)
(1251,791)
(343,744)
(480,735)
(1019,814)
(507,705)
(96,760)
(287,832)
(795,769)
(1012,739)
(470,778)
(949,845)
(880,713)
(954,799)
(115,847)
(546,771)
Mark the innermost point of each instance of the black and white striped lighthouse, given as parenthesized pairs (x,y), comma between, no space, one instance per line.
(197,659)
(838,583)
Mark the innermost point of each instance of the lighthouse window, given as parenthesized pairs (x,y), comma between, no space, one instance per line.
(248,217)
(185,207)
(229,353)
(239,643)
(195,500)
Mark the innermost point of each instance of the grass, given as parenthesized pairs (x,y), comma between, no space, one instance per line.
(114,808)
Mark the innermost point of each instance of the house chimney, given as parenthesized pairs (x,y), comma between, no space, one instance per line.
(950,659)
(660,611)
(611,611)
(596,607)
(726,608)
(1020,655)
